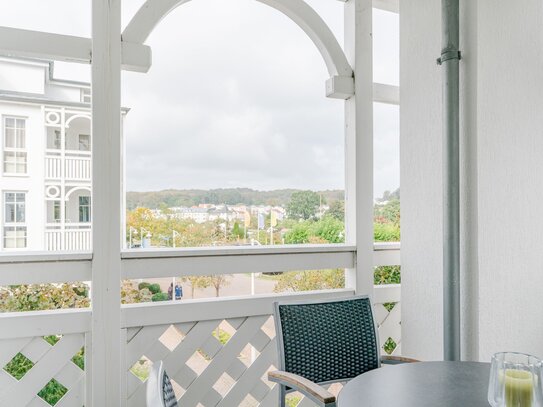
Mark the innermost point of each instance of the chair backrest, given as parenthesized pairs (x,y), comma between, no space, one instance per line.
(159,388)
(327,341)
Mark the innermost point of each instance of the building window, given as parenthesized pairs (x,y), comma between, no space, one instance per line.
(85,95)
(84,209)
(14,220)
(14,145)
(84,142)
(56,211)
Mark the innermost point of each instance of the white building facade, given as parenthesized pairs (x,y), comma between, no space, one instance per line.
(45,178)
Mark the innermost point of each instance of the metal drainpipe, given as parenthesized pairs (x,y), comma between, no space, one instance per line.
(450,56)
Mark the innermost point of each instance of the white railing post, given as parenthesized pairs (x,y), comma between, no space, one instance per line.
(106,125)
(359,144)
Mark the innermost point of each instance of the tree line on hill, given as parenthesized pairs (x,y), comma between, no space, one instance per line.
(230,196)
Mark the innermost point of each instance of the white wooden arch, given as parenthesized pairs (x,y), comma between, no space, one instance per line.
(341,83)
(76,116)
(79,188)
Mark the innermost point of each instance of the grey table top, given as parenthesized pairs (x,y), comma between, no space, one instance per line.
(424,384)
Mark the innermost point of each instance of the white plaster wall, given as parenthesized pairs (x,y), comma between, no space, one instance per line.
(22,77)
(420,169)
(502,171)
(33,182)
(510,171)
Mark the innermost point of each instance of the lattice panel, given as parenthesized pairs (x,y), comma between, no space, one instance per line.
(222,362)
(212,363)
(389,323)
(39,373)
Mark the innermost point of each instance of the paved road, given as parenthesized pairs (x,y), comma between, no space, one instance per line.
(239,284)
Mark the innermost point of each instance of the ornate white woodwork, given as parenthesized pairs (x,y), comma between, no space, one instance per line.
(153,11)
(68,48)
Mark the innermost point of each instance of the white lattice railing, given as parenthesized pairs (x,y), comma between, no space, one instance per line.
(219,352)
(41,358)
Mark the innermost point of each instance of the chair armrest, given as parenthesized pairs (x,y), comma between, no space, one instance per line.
(312,390)
(396,360)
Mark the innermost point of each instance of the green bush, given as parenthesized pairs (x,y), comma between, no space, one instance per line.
(154,288)
(387,275)
(143,285)
(159,297)
(52,392)
(386,232)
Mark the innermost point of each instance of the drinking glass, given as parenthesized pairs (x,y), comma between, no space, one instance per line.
(515,380)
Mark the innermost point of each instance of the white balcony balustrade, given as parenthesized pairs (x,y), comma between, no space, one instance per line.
(217,351)
(74,237)
(75,166)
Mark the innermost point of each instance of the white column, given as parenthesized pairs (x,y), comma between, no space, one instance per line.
(359,144)
(106,202)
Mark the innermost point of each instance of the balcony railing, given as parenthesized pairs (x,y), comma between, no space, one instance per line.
(77,165)
(74,237)
(206,368)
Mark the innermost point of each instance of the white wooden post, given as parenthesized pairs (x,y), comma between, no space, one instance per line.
(359,144)
(106,263)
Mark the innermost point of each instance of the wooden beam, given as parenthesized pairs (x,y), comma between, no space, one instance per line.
(389,94)
(387,5)
(106,204)
(359,145)
(17,42)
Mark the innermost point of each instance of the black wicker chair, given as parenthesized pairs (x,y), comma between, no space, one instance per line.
(159,388)
(322,342)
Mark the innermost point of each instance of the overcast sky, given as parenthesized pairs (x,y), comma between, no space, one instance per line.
(235,96)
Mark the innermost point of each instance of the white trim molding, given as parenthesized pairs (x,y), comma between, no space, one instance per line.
(36,44)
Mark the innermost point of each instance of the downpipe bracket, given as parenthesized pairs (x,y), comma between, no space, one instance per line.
(447,55)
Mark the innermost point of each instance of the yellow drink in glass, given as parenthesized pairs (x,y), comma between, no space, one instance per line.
(518,388)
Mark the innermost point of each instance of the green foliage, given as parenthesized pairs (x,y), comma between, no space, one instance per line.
(386,232)
(79,359)
(329,229)
(310,280)
(141,369)
(52,392)
(237,231)
(130,293)
(52,339)
(159,297)
(325,230)
(222,336)
(387,275)
(37,297)
(337,210)
(299,234)
(19,366)
(143,285)
(389,346)
(154,288)
(303,205)
(293,399)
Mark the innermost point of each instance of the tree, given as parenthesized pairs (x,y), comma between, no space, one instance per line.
(330,229)
(337,210)
(303,205)
(310,280)
(219,281)
(197,282)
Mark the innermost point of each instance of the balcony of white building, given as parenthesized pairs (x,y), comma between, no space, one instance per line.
(470,135)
